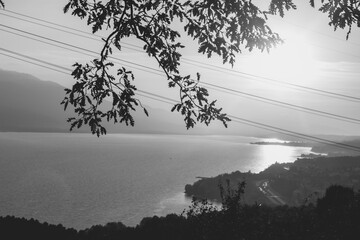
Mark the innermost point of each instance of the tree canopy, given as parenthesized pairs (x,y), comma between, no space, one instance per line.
(223,28)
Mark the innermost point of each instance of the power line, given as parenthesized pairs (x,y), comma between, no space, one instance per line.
(77,47)
(66,48)
(297,134)
(52,23)
(90,36)
(40,65)
(240,73)
(77,30)
(35,59)
(43,25)
(281,130)
(198,63)
(272,128)
(159,96)
(48,43)
(235,118)
(217,87)
(145,94)
(293,106)
(142,93)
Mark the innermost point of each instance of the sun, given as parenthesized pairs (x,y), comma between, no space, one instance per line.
(292,61)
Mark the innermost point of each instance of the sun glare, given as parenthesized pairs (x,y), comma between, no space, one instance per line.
(281,154)
(293,60)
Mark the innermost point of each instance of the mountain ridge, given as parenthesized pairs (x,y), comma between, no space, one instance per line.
(29,104)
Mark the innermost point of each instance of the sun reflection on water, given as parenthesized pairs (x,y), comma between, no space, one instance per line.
(270,154)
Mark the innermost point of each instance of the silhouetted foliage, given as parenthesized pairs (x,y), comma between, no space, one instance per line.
(341,13)
(20,228)
(337,210)
(106,232)
(224,28)
(220,27)
(333,217)
(337,201)
(230,197)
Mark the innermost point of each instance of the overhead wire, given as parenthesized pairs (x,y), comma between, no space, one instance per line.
(213,86)
(234,118)
(191,61)
(297,134)
(52,23)
(34,63)
(44,42)
(69,49)
(94,37)
(76,47)
(282,20)
(34,59)
(77,30)
(287,84)
(280,103)
(142,93)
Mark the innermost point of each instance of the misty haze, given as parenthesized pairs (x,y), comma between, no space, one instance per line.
(179,119)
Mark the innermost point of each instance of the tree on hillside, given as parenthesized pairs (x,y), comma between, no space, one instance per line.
(220,27)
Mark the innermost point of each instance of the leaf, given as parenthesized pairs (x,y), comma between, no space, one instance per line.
(115,98)
(66,8)
(146,112)
(312,3)
(65,105)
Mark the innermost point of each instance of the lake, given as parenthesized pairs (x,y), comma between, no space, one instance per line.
(80,180)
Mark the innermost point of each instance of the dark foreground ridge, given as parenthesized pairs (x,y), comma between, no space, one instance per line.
(335,216)
(288,183)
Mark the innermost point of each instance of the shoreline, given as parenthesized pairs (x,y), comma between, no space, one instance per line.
(288,183)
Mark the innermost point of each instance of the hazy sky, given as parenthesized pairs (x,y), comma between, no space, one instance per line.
(313,56)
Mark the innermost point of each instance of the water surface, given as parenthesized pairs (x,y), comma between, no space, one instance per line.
(80,180)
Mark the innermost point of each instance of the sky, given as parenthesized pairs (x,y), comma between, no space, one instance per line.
(313,56)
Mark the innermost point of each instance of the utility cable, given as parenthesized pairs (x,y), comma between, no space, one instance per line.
(71,49)
(77,47)
(292,106)
(257,77)
(142,93)
(77,30)
(90,36)
(252,123)
(36,64)
(217,87)
(35,59)
(190,61)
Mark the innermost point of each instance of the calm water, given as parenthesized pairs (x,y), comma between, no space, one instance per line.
(79,180)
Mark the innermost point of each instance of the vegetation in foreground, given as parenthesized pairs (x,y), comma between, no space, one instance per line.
(335,216)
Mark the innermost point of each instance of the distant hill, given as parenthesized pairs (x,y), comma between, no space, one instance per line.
(28,104)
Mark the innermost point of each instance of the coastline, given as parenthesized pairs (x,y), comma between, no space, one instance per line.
(285,183)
